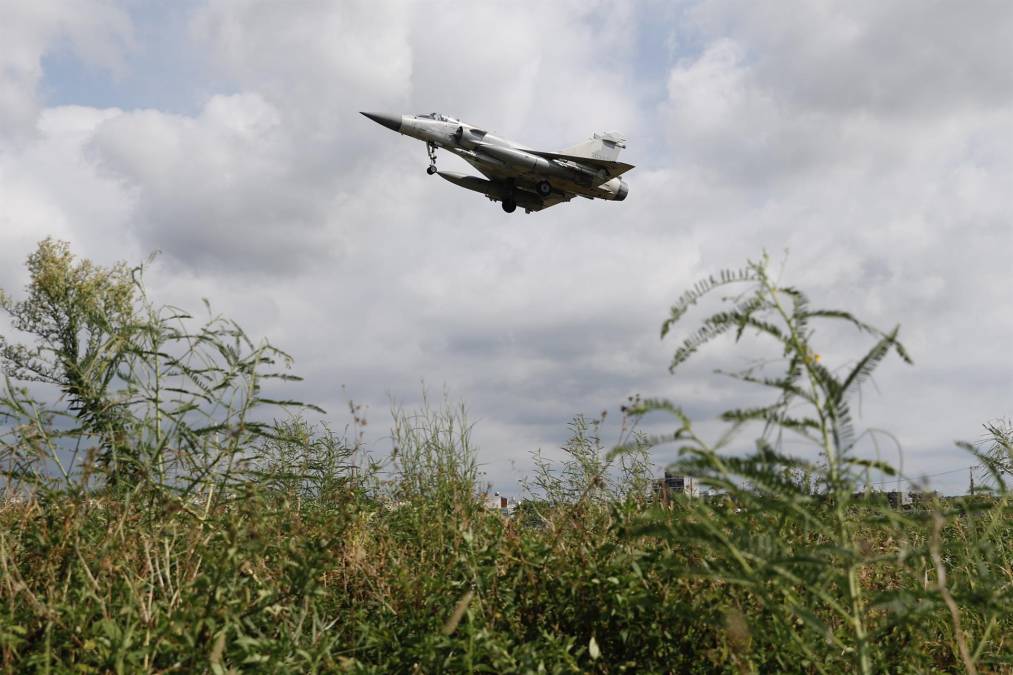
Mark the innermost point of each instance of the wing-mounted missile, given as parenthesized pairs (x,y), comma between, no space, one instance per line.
(492,190)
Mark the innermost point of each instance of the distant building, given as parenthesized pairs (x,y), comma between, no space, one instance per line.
(895,498)
(923,499)
(675,484)
(497,502)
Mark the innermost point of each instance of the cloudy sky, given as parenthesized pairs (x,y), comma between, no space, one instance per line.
(872,141)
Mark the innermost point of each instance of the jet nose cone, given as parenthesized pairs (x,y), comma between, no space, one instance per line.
(390,121)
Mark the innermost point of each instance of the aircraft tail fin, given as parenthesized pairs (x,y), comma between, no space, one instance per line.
(603,145)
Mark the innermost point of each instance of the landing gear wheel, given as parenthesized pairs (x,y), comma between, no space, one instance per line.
(431,169)
(509,205)
(544,189)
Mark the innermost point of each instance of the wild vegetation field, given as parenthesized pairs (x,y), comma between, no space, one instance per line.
(162,512)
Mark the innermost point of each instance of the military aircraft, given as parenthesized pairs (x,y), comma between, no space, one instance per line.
(518,175)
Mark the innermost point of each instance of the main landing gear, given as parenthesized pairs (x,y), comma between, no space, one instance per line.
(431,151)
(509,205)
(544,189)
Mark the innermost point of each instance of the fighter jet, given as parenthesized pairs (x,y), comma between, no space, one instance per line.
(516,175)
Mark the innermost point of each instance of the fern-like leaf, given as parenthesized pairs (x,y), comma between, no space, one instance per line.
(868,363)
(702,288)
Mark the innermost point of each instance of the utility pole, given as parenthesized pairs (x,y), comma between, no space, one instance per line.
(970,473)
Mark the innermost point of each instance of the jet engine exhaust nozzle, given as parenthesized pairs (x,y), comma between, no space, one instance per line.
(624,190)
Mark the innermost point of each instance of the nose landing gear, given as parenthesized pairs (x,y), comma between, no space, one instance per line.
(431,151)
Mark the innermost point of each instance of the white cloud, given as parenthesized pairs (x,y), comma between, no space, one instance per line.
(858,136)
(217,190)
(316,60)
(898,58)
(96,30)
(49,186)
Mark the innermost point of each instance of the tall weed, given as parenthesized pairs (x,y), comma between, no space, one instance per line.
(819,577)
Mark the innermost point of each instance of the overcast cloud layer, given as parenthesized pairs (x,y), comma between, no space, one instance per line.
(872,140)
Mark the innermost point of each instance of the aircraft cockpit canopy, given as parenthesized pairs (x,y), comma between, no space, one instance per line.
(435,116)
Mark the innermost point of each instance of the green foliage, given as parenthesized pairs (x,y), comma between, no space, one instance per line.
(235,541)
(148,396)
(587,473)
(802,554)
(76,310)
(433,454)
(82,318)
(997,453)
